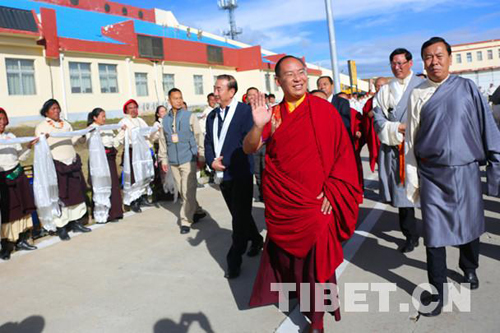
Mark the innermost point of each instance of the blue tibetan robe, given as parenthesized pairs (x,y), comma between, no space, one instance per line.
(457,135)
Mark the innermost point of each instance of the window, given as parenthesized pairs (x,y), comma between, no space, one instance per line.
(490,54)
(150,47)
(469,57)
(479,55)
(20,76)
(215,79)
(214,54)
(108,78)
(198,84)
(168,82)
(459,58)
(141,84)
(80,78)
(276,87)
(268,82)
(499,53)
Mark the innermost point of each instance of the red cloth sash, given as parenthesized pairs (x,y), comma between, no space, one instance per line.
(310,152)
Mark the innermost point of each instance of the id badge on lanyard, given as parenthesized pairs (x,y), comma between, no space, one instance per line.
(175,138)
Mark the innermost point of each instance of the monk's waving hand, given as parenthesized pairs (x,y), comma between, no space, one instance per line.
(261,114)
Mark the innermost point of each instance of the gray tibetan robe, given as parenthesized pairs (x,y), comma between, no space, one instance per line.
(457,134)
(390,188)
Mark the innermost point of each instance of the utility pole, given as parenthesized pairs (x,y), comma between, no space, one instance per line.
(333,46)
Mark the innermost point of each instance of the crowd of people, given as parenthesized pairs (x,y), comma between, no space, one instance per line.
(429,135)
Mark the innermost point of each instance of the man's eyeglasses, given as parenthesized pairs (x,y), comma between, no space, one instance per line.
(398,64)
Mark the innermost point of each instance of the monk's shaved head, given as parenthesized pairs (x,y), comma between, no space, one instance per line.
(380,82)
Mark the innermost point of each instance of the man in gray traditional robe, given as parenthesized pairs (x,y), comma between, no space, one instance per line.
(390,114)
(450,134)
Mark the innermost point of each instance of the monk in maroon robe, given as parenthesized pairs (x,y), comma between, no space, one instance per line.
(311,189)
(370,135)
(358,137)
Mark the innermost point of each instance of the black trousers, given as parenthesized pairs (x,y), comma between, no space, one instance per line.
(259,164)
(436,263)
(407,223)
(238,194)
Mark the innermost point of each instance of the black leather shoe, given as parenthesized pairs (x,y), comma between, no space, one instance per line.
(135,206)
(76,226)
(24,245)
(471,278)
(409,245)
(199,216)
(185,229)
(427,299)
(255,249)
(233,273)
(7,248)
(63,234)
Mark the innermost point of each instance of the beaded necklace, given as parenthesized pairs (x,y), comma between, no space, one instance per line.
(52,123)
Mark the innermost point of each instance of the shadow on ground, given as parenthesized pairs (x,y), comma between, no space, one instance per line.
(184,324)
(33,324)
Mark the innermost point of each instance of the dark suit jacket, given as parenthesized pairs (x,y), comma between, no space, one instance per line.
(237,163)
(343,107)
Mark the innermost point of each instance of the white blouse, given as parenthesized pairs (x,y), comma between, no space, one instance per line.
(11,155)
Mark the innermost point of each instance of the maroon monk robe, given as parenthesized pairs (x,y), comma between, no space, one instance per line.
(370,135)
(356,126)
(309,152)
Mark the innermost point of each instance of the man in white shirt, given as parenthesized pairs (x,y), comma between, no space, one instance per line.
(203,117)
(390,122)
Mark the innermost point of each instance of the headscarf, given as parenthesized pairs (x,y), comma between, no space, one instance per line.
(130,101)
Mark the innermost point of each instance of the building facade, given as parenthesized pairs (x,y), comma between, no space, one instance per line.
(98,53)
(478,61)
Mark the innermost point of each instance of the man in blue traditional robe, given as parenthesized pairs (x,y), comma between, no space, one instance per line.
(450,134)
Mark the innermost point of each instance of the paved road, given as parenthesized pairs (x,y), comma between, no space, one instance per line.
(141,275)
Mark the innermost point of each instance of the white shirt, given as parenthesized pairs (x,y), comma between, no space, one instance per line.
(203,118)
(388,97)
(107,137)
(419,96)
(62,149)
(11,155)
(131,123)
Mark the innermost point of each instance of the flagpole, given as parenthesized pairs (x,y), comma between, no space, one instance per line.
(333,46)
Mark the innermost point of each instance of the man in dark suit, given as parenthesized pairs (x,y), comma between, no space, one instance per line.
(325,84)
(227,126)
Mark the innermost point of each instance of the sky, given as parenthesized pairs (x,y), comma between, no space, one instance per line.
(367,31)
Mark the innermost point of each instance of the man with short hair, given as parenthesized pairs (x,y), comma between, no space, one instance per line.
(251,95)
(325,83)
(227,126)
(272,99)
(203,116)
(450,134)
(390,115)
(310,190)
(181,145)
(369,132)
